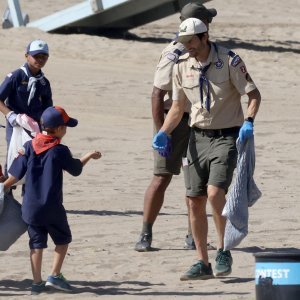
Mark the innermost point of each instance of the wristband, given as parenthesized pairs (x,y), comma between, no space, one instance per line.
(250,119)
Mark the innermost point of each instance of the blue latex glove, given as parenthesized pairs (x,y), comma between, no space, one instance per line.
(162,143)
(167,152)
(11,118)
(246,131)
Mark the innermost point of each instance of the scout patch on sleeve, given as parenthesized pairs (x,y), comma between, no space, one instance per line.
(172,57)
(236,60)
(243,69)
(9,75)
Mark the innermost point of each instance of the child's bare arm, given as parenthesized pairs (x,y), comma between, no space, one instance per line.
(94,155)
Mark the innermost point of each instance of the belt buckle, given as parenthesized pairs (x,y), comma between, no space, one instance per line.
(210,133)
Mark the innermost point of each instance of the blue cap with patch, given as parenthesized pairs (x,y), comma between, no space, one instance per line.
(37,47)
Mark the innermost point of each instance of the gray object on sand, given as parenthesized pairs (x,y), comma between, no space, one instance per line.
(12,225)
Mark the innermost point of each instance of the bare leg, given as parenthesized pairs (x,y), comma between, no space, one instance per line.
(36,256)
(223,260)
(217,200)
(154,197)
(59,256)
(153,201)
(188,211)
(199,225)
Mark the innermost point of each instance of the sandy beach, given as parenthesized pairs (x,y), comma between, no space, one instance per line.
(106,83)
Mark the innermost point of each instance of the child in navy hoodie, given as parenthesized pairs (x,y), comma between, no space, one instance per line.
(43,160)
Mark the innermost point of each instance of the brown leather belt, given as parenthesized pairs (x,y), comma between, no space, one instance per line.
(217,132)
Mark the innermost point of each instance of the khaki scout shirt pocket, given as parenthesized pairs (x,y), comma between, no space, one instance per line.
(220,84)
(191,89)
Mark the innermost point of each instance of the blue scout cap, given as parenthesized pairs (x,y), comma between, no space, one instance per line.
(37,47)
(55,116)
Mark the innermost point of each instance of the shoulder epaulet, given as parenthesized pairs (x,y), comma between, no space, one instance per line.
(177,51)
(235,58)
(231,53)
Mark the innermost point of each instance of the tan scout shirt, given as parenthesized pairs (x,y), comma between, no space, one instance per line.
(164,69)
(228,80)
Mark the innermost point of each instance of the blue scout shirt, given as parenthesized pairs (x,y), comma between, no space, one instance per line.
(14,89)
(43,197)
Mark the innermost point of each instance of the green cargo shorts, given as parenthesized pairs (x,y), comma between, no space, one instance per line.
(209,161)
(180,138)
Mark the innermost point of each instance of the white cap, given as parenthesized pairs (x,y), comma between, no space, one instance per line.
(190,27)
(37,47)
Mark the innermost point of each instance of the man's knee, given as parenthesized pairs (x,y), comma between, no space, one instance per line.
(216,198)
(197,203)
(161,181)
(215,193)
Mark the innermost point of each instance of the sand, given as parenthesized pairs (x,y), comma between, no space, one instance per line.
(106,83)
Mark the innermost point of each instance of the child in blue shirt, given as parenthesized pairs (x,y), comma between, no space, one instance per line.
(43,160)
(26,90)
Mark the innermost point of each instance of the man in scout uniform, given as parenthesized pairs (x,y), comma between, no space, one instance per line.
(212,79)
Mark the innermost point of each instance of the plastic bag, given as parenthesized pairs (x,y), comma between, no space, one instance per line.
(20,137)
(12,225)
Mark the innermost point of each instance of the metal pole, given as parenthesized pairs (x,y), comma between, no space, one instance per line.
(15,12)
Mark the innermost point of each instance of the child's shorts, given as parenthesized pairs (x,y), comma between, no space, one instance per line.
(59,232)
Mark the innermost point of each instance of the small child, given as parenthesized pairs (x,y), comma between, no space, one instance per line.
(43,160)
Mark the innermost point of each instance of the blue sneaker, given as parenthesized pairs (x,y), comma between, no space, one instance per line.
(223,263)
(38,288)
(198,271)
(59,282)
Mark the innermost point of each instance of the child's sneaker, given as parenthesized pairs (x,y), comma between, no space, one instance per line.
(59,282)
(38,288)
